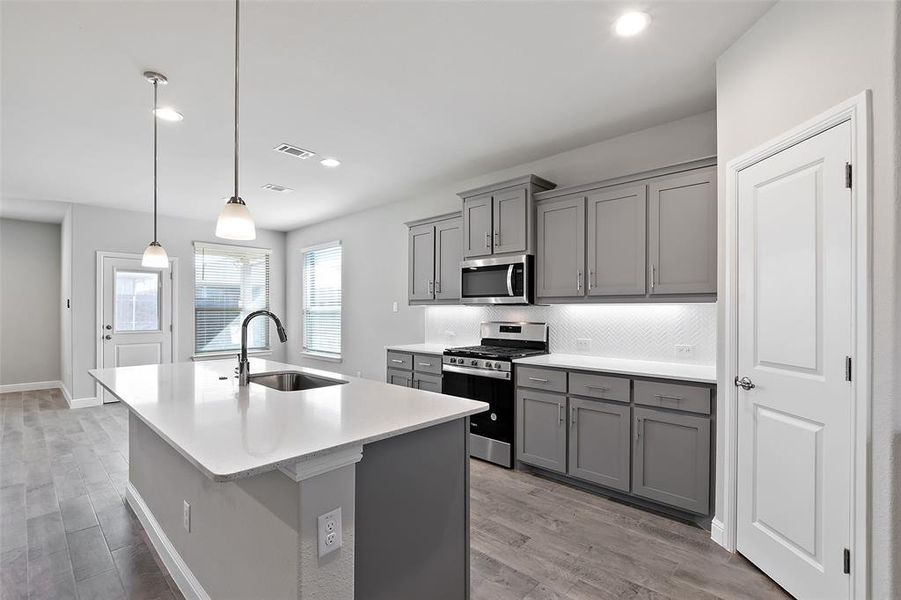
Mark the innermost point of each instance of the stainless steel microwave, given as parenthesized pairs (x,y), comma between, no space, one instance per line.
(497,280)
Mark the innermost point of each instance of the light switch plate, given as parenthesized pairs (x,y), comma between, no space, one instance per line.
(394,307)
(186,516)
(329,532)
(684,351)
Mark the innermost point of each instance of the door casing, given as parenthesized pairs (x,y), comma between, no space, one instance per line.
(856,110)
(98,301)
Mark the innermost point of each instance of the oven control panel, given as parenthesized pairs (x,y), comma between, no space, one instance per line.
(478,363)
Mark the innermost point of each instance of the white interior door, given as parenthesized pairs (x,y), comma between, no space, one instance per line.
(794,335)
(136,308)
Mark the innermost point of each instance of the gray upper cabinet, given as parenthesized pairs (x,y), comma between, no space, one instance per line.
(682,233)
(541,429)
(599,442)
(560,267)
(422,262)
(435,252)
(510,217)
(617,221)
(671,463)
(500,218)
(477,226)
(448,253)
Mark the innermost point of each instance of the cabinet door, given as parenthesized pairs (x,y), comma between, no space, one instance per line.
(672,459)
(401,378)
(429,383)
(422,262)
(561,248)
(510,221)
(448,254)
(477,226)
(599,442)
(541,429)
(682,230)
(617,222)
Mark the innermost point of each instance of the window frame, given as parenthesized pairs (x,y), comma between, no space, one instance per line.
(250,250)
(307,353)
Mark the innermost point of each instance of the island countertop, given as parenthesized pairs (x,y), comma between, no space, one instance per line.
(229,432)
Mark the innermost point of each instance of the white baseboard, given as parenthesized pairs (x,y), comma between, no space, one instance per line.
(30,386)
(718,532)
(181,574)
(83,402)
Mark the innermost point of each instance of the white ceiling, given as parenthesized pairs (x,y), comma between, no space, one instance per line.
(408,95)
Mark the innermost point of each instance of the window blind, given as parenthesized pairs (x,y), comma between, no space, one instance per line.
(229,283)
(322,300)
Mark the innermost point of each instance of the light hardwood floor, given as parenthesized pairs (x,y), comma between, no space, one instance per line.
(66,532)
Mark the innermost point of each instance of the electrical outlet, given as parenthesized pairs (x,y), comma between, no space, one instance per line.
(329,532)
(186,516)
(684,351)
(583,344)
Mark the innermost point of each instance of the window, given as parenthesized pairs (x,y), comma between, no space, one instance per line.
(229,283)
(322,300)
(137,301)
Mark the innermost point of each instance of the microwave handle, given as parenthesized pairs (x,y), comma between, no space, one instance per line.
(510,280)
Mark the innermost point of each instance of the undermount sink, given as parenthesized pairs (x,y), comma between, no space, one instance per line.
(292,381)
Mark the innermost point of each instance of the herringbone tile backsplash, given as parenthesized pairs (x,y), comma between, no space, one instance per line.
(635,331)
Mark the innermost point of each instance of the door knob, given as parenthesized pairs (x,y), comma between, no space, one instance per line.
(744,383)
(107,326)
(107,337)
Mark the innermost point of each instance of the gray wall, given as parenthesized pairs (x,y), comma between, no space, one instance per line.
(798,60)
(29,302)
(95,228)
(375,241)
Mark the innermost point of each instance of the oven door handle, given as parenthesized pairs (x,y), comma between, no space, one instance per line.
(510,280)
(476,372)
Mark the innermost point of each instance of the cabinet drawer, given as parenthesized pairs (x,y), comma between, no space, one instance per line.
(427,363)
(541,379)
(677,396)
(599,386)
(399,360)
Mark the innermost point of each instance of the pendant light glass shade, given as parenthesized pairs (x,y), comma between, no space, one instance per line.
(235,222)
(155,257)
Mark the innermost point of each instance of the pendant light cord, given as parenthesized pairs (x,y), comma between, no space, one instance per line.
(237,37)
(155,107)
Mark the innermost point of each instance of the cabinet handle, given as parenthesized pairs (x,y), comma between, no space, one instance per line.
(397,360)
(590,276)
(425,364)
(431,287)
(638,430)
(665,397)
(653,276)
(597,387)
(572,416)
(487,240)
(579,280)
(497,238)
(437,286)
(559,414)
(538,379)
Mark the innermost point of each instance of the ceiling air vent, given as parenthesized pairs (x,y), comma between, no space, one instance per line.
(294,151)
(272,187)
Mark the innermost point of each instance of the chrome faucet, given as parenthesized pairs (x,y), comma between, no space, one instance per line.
(243,369)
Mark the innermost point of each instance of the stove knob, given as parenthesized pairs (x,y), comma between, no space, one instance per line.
(452,361)
(474,363)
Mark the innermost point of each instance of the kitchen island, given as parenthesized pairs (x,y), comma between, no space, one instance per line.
(231,482)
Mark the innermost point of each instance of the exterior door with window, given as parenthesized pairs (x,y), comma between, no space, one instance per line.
(136,309)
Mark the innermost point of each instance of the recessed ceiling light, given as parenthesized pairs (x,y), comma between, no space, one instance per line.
(632,23)
(329,162)
(167,113)
(274,187)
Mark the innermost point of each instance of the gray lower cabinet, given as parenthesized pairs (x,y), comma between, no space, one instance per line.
(560,263)
(420,371)
(617,220)
(541,429)
(435,251)
(599,442)
(682,233)
(671,461)
(398,377)
(429,383)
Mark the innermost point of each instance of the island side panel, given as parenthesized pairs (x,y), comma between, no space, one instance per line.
(251,522)
(412,516)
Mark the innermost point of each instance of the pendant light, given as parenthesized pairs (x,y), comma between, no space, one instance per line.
(155,256)
(235,222)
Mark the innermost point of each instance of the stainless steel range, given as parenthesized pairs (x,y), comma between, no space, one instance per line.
(485,373)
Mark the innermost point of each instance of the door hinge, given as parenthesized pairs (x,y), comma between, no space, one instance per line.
(847,368)
(848,175)
(847,562)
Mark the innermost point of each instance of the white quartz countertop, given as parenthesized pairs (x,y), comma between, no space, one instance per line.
(620,366)
(229,431)
(420,348)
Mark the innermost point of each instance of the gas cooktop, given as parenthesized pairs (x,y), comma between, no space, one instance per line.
(497,352)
